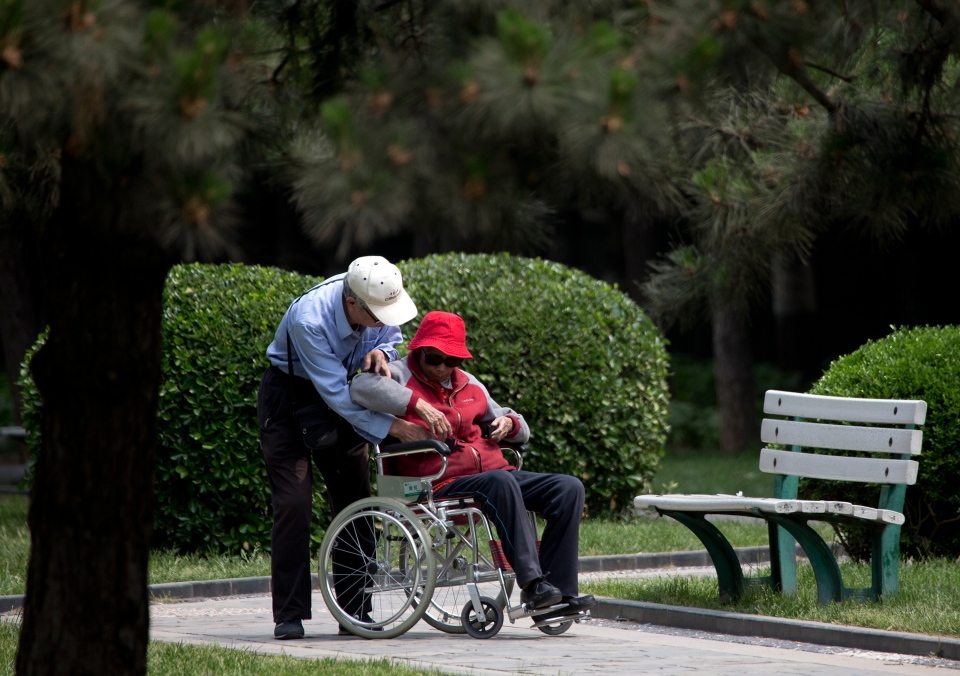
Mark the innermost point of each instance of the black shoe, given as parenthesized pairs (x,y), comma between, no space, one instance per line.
(288,629)
(343,631)
(540,594)
(579,604)
(571,606)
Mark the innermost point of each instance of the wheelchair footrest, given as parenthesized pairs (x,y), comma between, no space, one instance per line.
(540,621)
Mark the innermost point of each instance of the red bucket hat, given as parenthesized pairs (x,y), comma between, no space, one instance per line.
(444,331)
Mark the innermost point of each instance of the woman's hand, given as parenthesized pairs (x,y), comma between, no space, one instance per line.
(407,431)
(500,427)
(435,419)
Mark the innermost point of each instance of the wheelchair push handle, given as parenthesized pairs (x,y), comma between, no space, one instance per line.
(425,445)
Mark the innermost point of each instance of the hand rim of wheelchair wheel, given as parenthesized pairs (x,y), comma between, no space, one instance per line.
(492,622)
(410,529)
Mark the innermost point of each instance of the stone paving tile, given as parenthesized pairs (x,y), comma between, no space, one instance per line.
(591,647)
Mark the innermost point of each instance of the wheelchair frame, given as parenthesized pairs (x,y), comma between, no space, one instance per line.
(423,559)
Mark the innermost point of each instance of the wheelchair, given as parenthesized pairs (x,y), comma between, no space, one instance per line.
(403,555)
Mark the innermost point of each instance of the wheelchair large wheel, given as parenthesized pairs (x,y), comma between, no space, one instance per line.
(382,568)
(450,594)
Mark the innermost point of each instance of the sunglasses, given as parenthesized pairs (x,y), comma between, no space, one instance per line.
(434,359)
(363,306)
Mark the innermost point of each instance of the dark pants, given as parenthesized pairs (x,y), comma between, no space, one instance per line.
(505,497)
(346,472)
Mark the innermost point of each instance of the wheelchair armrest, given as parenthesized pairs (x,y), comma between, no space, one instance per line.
(517,449)
(427,445)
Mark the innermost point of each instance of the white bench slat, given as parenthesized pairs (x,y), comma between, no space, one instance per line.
(888,411)
(695,503)
(814,466)
(865,513)
(733,503)
(842,437)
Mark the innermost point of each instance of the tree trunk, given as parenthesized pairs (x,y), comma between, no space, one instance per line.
(733,373)
(794,307)
(91,509)
(20,322)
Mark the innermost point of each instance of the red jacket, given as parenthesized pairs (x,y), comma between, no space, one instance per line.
(466,406)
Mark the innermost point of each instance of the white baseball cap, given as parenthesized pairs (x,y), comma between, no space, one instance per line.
(378,283)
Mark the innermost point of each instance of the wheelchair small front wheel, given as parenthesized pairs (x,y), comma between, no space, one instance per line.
(555,629)
(482,626)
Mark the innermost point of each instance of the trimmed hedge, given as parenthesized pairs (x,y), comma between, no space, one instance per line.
(212,490)
(910,363)
(579,359)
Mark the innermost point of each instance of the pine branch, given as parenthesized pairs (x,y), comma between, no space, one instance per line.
(830,71)
(792,65)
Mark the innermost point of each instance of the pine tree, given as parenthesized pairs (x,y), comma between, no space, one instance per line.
(126,129)
(800,117)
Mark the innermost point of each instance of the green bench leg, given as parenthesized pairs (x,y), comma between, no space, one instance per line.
(822,560)
(783,560)
(885,560)
(729,572)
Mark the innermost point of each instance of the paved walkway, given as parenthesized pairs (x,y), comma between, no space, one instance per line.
(742,645)
(590,647)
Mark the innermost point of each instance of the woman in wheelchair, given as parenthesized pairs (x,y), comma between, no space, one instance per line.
(429,381)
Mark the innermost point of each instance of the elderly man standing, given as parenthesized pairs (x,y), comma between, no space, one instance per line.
(348,323)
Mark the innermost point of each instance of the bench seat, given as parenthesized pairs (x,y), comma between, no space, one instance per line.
(805,444)
(734,504)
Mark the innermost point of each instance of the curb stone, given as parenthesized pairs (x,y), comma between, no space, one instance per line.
(738,624)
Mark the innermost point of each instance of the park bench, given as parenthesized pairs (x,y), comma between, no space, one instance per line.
(815,424)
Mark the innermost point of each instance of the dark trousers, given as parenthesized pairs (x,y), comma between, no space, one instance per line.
(346,472)
(505,497)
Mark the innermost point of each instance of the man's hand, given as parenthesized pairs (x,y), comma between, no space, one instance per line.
(500,427)
(376,361)
(435,419)
(406,431)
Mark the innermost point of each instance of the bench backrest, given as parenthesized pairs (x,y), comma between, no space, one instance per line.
(811,423)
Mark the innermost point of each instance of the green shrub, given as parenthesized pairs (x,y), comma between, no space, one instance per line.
(575,356)
(212,489)
(910,363)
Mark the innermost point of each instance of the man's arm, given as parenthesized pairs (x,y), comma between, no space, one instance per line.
(329,377)
(391,396)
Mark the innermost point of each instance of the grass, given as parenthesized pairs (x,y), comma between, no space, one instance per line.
(14,544)
(596,538)
(203,660)
(709,472)
(928,602)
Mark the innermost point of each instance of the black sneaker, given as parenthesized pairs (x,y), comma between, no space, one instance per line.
(540,594)
(572,605)
(289,629)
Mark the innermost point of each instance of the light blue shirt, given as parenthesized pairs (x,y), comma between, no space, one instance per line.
(325,349)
